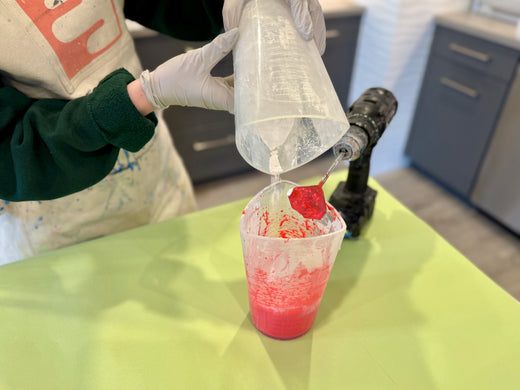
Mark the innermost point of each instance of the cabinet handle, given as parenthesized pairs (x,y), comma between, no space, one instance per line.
(459,87)
(466,51)
(332,33)
(201,146)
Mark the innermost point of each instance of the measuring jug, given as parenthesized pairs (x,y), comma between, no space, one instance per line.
(288,260)
(286,109)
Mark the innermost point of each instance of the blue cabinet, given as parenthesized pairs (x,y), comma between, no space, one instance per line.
(465,85)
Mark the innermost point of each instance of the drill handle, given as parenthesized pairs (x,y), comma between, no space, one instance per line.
(358,173)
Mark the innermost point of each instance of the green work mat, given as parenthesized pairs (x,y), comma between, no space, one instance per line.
(165,307)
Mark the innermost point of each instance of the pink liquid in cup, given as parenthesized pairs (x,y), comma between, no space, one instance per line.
(285,310)
(288,260)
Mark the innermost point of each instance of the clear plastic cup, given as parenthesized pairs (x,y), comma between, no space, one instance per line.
(288,260)
(286,109)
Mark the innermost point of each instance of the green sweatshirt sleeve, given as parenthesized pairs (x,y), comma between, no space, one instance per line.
(191,20)
(50,148)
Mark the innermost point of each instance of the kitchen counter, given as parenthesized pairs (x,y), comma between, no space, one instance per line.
(165,307)
(333,8)
(481,26)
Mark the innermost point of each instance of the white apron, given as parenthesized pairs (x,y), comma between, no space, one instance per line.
(144,187)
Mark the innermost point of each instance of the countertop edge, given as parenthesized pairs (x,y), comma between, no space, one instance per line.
(481,26)
(336,12)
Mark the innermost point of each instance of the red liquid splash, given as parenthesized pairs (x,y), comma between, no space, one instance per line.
(288,226)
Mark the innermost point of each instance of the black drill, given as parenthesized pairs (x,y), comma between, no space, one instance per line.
(368,116)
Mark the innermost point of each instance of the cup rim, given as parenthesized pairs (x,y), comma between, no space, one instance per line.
(341,231)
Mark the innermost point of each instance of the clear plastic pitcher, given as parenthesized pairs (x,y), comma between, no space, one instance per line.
(286,109)
(288,260)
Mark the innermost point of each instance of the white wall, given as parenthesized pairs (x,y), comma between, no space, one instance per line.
(392,51)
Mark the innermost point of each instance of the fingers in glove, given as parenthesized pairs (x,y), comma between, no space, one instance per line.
(230,80)
(231,12)
(318,23)
(219,95)
(217,49)
(302,18)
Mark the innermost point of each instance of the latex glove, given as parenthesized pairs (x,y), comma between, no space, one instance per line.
(307,15)
(185,80)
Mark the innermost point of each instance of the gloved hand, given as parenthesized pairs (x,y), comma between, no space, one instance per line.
(307,15)
(185,80)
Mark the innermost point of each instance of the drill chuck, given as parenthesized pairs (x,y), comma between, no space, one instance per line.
(352,144)
(368,117)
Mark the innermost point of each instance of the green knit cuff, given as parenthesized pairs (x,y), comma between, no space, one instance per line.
(115,114)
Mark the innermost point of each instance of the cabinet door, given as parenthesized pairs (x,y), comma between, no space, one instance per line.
(208,149)
(497,188)
(455,116)
(484,56)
